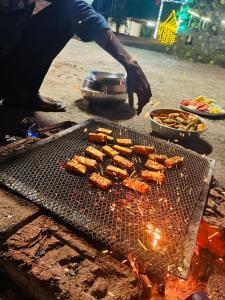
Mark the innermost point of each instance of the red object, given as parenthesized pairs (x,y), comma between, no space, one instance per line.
(186,102)
(203,107)
(209,237)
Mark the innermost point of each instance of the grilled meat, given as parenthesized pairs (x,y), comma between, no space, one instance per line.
(124,142)
(99,138)
(173,161)
(105,131)
(154,166)
(100,181)
(123,162)
(136,185)
(74,166)
(90,164)
(152,176)
(122,150)
(109,138)
(143,150)
(158,157)
(95,153)
(116,172)
(109,151)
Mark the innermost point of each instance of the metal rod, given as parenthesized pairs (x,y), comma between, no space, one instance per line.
(159,19)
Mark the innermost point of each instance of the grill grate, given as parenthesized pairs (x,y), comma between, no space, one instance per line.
(124,220)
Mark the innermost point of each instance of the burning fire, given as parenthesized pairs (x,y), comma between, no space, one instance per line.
(154,234)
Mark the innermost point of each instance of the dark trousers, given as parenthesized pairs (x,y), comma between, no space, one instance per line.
(44,36)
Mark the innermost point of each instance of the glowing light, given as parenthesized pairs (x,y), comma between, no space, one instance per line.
(155,235)
(156,238)
(191,12)
(142,245)
(168,29)
(151,24)
(206,19)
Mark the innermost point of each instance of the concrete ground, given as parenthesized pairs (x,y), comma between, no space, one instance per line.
(171,80)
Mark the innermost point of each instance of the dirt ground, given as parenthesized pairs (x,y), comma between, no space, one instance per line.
(171,80)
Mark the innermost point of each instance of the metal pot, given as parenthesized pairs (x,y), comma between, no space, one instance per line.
(104,86)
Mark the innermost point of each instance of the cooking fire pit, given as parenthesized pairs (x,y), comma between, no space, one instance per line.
(158,228)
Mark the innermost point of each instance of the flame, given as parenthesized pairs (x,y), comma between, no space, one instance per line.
(157,237)
(154,233)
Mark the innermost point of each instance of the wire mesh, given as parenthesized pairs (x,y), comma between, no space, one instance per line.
(152,226)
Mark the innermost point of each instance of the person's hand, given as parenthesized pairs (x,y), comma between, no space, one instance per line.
(137,83)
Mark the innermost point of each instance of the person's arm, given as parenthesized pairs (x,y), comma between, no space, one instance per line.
(136,79)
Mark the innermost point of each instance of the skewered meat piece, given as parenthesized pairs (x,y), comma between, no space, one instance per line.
(136,185)
(74,166)
(143,150)
(90,164)
(173,161)
(152,176)
(153,165)
(158,157)
(95,153)
(116,172)
(109,151)
(123,162)
(97,138)
(122,150)
(124,142)
(104,130)
(100,181)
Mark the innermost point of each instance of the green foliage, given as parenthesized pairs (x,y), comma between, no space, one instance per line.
(211,9)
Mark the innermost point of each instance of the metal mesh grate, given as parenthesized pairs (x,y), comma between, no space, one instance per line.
(122,219)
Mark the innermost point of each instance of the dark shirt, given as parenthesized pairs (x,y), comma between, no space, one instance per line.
(13,21)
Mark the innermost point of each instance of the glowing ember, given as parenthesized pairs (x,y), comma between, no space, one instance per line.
(105,251)
(149,228)
(156,234)
(139,209)
(134,266)
(142,245)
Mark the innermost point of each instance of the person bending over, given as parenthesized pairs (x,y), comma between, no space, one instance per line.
(29,43)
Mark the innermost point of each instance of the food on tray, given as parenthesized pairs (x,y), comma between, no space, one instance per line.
(122,150)
(124,142)
(109,151)
(104,130)
(100,181)
(203,104)
(90,164)
(136,185)
(95,153)
(154,166)
(158,157)
(152,176)
(97,138)
(109,138)
(173,161)
(123,162)
(143,150)
(116,172)
(179,120)
(74,166)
